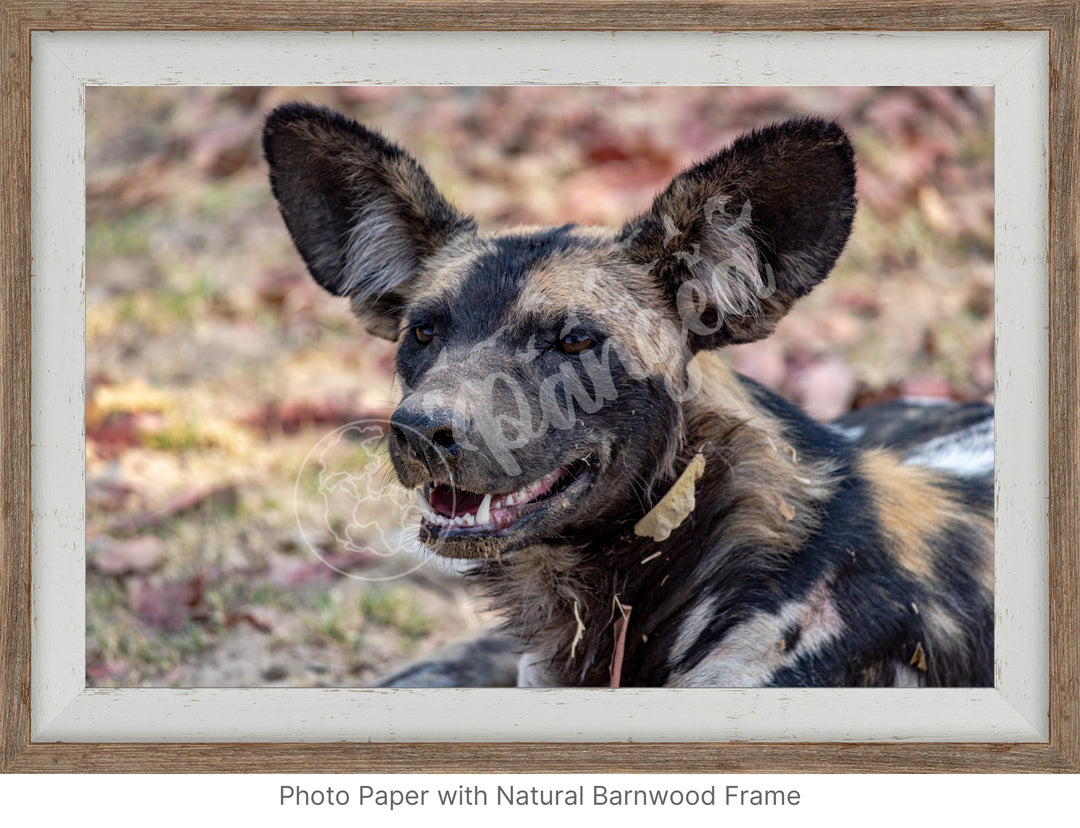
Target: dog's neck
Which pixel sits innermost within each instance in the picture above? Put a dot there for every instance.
(756, 503)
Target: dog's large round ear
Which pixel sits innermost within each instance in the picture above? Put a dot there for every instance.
(362, 212)
(736, 239)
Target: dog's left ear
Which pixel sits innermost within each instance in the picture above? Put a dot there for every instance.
(736, 239)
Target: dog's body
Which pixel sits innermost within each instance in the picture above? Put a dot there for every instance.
(643, 515)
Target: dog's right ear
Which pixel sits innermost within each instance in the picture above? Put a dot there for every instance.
(362, 212)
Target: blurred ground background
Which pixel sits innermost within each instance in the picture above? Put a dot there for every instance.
(221, 549)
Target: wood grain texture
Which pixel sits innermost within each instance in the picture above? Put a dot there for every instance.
(524, 15)
(1065, 387)
(18, 18)
(542, 758)
(14, 385)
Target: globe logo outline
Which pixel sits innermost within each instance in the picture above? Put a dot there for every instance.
(392, 531)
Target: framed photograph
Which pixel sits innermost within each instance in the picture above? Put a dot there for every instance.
(159, 329)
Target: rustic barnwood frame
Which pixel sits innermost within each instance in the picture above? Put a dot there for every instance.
(1059, 18)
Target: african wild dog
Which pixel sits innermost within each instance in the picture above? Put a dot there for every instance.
(643, 515)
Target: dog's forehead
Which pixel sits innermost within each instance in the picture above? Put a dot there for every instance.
(545, 273)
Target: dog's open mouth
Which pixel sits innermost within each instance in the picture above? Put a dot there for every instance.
(449, 512)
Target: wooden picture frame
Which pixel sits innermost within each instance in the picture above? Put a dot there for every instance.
(19, 752)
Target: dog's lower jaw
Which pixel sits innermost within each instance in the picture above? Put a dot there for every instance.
(473, 549)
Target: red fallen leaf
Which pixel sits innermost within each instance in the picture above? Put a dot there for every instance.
(166, 606)
(117, 557)
(290, 572)
(107, 495)
(288, 418)
(219, 497)
(117, 431)
(223, 150)
(263, 619)
(604, 151)
(324, 568)
(276, 287)
(861, 302)
(348, 561)
(224, 497)
(114, 668)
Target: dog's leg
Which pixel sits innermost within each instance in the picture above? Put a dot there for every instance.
(487, 660)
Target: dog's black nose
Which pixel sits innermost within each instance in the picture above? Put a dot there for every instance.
(429, 435)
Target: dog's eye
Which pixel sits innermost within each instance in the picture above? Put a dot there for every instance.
(575, 343)
(423, 333)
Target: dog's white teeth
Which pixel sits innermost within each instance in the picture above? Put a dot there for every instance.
(425, 507)
(483, 514)
(525, 493)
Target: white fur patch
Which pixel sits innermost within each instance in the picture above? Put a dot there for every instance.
(968, 453)
(532, 672)
(380, 255)
(725, 269)
(697, 621)
(851, 433)
(905, 675)
(754, 650)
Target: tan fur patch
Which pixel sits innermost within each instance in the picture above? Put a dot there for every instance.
(590, 280)
(445, 270)
(911, 509)
(913, 513)
(779, 492)
(721, 390)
